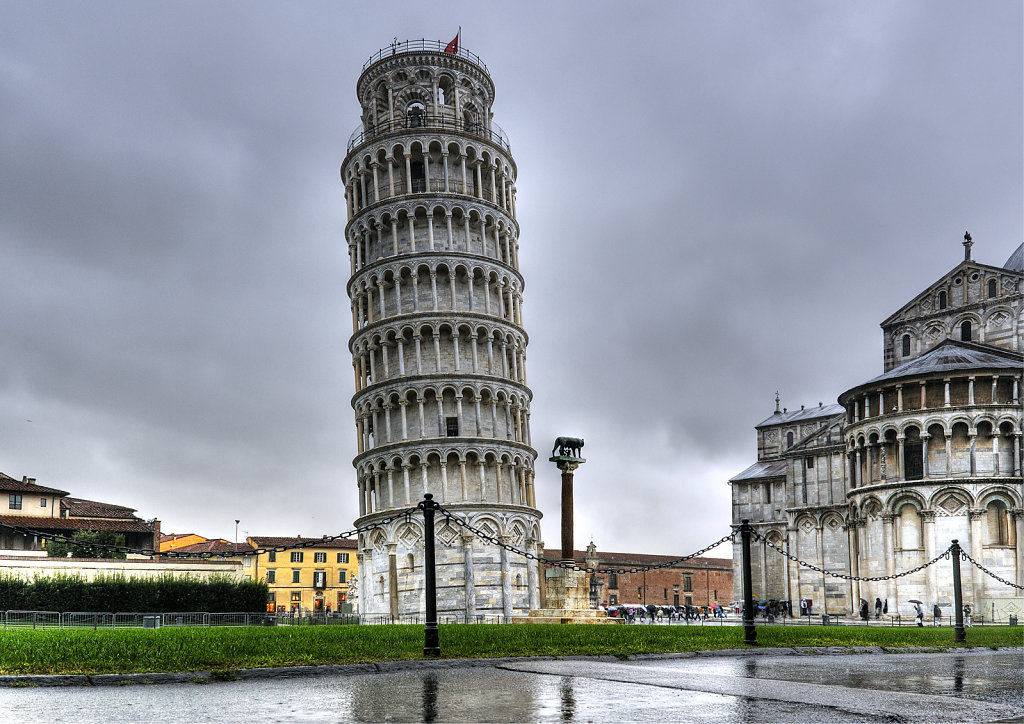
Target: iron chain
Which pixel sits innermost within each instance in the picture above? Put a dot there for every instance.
(845, 576)
(571, 565)
(964, 556)
(208, 555)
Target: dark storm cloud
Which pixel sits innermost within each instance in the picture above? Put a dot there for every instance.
(717, 201)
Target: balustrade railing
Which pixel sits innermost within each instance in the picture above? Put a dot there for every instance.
(415, 121)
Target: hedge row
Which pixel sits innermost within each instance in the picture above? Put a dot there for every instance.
(164, 594)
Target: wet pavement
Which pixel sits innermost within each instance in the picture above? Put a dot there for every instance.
(975, 686)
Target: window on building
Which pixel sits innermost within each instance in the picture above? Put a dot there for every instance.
(688, 600)
(343, 558)
(789, 439)
(246, 561)
(767, 492)
(296, 574)
(942, 300)
(991, 288)
(248, 577)
(906, 345)
(613, 599)
(451, 425)
(272, 575)
(639, 593)
(716, 594)
(296, 596)
(965, 331)
(42, 502)
(319, 579)
(341, 576)
(414, 115)
(15, 501)
(688, 583)
(272, 557)
(665, 594)
(809, 462)
(613, 580)
(296, 556)
(998, 523)
(319, 557)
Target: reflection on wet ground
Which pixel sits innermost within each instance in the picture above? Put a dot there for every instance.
(487, 694)
(984, 675)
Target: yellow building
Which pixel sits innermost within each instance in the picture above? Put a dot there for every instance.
(177, 541)
(316, 578)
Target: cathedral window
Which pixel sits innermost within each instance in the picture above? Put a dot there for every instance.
(906, 345)
(965, 331)
(809, 462)
(789, 439)
(991, 288)
(451, 426)
(942, 300)
(767, 492)
(998, 523)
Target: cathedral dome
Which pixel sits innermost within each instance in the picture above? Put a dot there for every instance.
(1016, 260)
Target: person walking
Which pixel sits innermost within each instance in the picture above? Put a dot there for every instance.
(968, 616)
(920, 614)
(878, 608)
(937, 615)
(864, 610)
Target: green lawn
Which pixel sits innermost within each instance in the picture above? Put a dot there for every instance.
(66, 651)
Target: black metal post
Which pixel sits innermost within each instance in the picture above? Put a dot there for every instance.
(958, 595)
(431, 641)
(749, 630)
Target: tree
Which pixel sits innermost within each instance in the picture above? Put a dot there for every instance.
(85, 544)
(56, 549)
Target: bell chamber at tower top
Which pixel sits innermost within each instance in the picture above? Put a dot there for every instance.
(415, 85)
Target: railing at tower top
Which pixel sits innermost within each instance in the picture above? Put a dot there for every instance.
(413, 46)
(494, 134)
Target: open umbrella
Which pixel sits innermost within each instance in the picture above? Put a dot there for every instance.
(914, 600)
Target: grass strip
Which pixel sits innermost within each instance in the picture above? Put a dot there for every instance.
(69, 651)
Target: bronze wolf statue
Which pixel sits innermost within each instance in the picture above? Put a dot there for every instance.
(568, 446)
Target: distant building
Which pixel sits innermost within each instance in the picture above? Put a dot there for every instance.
(926, 452)
(696, 582)
(176, 541)
(307, 579)
(51, 511)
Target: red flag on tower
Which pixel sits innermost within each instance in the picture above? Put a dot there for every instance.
(453, 47)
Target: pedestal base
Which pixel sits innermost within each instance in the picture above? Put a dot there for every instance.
(567, 589)
(565, 615)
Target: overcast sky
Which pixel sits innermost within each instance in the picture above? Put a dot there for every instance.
(718, 200)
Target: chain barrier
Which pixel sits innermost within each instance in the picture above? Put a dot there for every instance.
(206, 555)
(571, 565)
(980, 567)
(845, 576)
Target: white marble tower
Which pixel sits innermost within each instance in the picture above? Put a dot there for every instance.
(438, 345)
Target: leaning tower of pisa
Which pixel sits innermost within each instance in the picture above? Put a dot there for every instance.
(438, 345)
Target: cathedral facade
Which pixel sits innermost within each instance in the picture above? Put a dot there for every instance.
(926, 452)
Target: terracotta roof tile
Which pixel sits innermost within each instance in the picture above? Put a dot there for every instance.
(134, 525)
(263, 541)
(215, 546)
(7, 483)
(82, 508)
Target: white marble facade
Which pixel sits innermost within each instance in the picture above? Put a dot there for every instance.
(438, 345)
(926, 452)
